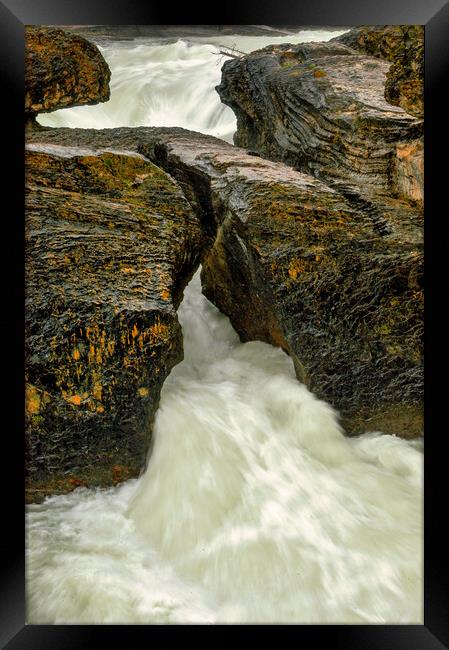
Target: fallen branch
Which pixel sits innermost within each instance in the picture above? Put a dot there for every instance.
(232, 55)
(233, 52)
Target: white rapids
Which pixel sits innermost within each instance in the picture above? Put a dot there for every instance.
(155, 83)
(254, 506)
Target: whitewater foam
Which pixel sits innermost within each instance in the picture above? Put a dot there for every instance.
(160, 83)
(254, 507)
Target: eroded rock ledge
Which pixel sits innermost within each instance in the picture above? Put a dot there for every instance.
(62, 70)
(110, 244)
(320, 107)
(294, 263)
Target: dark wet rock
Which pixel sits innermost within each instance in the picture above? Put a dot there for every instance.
(403, 46)
(62, 70)
(295, 263)
(320, 107)
(110, 244)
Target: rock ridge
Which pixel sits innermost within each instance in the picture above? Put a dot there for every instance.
(292, 262)
(320, 107)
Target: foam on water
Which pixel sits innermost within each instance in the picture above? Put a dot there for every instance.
(254, 507)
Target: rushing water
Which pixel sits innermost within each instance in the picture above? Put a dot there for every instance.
(158, 83)
(254, 507)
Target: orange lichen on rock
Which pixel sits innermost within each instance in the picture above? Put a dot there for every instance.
(74, 399)
(409, 170)
(91, 354)
(158, 331)
(296, 266)
(32, 400)
(76, 482)
(121, 473)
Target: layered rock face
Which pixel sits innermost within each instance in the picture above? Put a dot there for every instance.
(110, 244)
(62, 70)
(293, 263)
(403, 46)
(320, 107)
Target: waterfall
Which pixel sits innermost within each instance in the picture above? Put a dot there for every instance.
(159, 83)
(254, 506)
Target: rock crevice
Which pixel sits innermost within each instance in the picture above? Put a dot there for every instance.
(292, 262)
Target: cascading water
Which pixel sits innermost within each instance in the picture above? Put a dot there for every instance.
(158, 83)
(254, 507)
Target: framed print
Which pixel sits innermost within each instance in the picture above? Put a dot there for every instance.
(219, 288)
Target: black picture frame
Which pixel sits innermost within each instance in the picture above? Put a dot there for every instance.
(14, 14)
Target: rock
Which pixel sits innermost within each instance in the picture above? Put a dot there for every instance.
(320, 107)
(62, 70)
(403, 45)
(110, 244)
(294, 263)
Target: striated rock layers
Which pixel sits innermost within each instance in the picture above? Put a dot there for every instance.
(403, 46)
(294, 263)
(62, 70)
(110, 244)
(320, 107)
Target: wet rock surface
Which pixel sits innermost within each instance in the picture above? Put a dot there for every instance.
(110, 244)
(295, 263)
(403, 46)
(62, 70)
(320, 107)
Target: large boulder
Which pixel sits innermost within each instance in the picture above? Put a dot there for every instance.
(110, 244)
(320, 107)
(62, 70)
(403, 46)
(294, 263)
